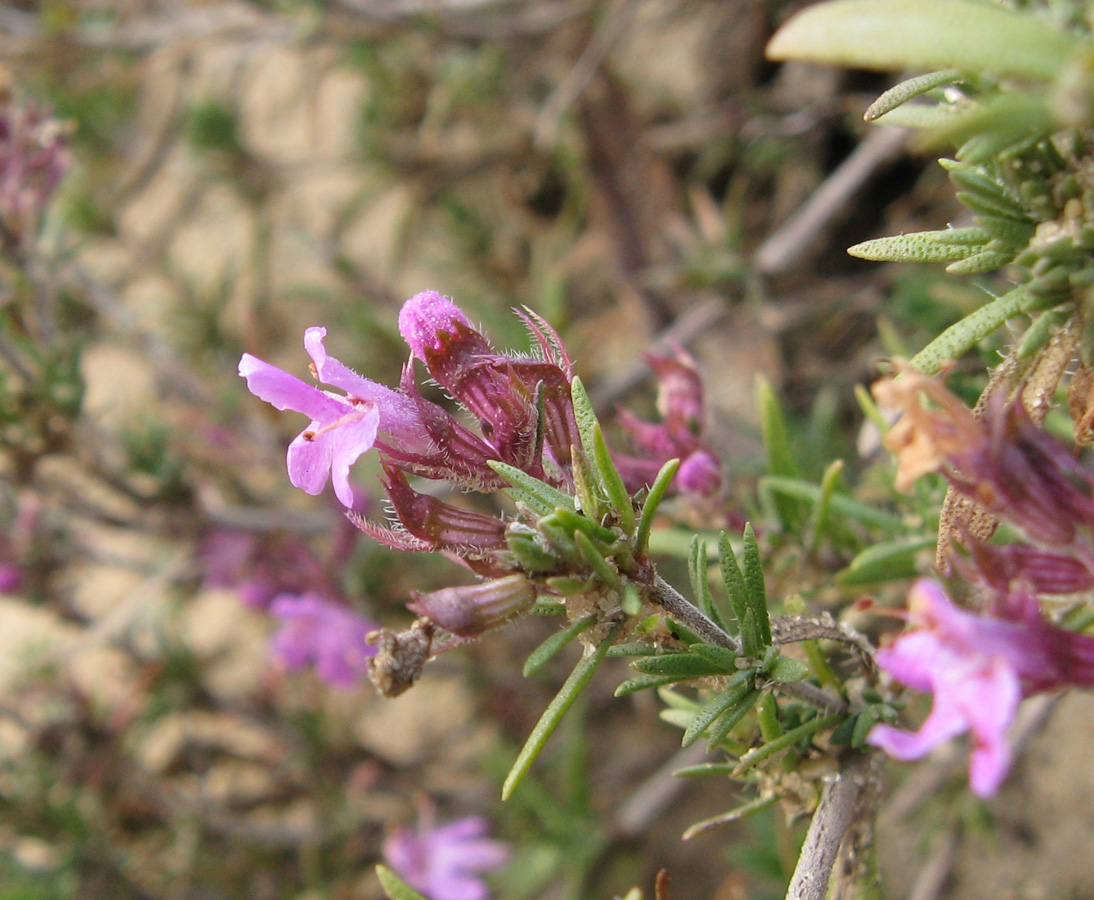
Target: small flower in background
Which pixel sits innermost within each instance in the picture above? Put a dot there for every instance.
(33, 159)
(261, 565)
(677, 436)
(978, 669)
(318, 632)
(443, 862)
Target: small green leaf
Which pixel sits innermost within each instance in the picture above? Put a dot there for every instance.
(636, 648)
(888, 561)
(547, 498)
(653, 501)
(726, 722)
(679, 665)
(788, 671)
(909, 89)
(729, 697)
(962, 336)
(697, 575)
(546, 651)
(613, 482)
(984, 261)
(394, 886)
(755, 591)
(601, 567)
(920, 247)
(644, 682)
(841, 504)
(732, 579)
(557, 708)
(789, 739)
(780, 455)
(631, 600)
(727, 818)
(585, 416)
(721, 656)
(925, 34)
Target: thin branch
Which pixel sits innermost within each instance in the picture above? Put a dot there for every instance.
(833, 817)
(687, 614)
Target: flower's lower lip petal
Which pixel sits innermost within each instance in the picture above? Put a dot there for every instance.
(988, 767)
(309, 462)
(348, 443)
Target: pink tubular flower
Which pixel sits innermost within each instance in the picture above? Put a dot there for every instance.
(443, 862)
(504, 392)
(978, 670)
(327, 635)
(677, 436)
(342, 426)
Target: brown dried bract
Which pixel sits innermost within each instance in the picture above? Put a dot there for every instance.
(402, 656)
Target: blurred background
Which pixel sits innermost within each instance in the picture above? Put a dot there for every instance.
(234, 172)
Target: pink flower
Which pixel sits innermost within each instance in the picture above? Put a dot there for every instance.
(327, 635)
(676, 436)
(978, 669)
(343, 426)
(443, 862)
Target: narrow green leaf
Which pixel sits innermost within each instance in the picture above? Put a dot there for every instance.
(919, 247)
(635, 648)
(727, 818)
(394, 886)
(732, 578)
(726, 722)
(907, 90)
(557, 708)
(721, 656)
(679, 665)
(755, 591)
(841, 504)
(697, 575)
(546, 651)
(613, 482)
(818, 521)
(575, 521)
(984, 261)
(788, 671)
(789, 739)
(585, 416)
(644, 682)
(730, 696)
(586, 486)
(887, 561)
(603, 569)
(925, 34)
(653, 501)
(547, 496)
(780, 456)
(963, 335)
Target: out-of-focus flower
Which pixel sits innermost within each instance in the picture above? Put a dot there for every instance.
(259, 567)
(444, 862)
(977, 669)
(1003, 461)
(318, 632)
(677, 436)
(33, 159)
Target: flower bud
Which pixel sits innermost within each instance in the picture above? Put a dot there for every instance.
(470, 610)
